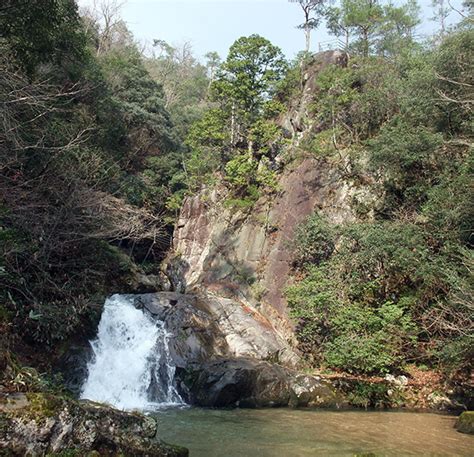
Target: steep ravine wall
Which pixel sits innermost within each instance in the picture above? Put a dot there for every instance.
(248, 255)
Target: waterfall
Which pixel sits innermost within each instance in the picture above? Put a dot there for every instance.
(131, 367)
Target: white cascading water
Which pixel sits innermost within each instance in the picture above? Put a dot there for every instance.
(131, 368)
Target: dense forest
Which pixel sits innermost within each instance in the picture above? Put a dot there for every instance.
(102, 138)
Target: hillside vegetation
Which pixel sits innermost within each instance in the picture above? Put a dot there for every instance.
(101, 140)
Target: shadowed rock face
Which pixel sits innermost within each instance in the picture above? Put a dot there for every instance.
(252, 383)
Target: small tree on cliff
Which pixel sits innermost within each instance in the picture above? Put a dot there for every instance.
(313, 11)
(369, 27)
(247, 79)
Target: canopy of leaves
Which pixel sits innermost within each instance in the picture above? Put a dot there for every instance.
(249, 75)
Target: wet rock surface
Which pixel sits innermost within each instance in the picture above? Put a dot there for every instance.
(42, 424)
(227, 354)
(73, 366)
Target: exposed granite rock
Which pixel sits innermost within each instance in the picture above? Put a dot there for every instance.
(249, 256)
(293, 121)
(45, 424)
(252, 383)
(232, 252)
(442, 402)
(465, 423)
(204, 327)
(201, 328)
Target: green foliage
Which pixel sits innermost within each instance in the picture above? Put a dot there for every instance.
(239, 137)
(266, 138)
(365, 306)
(409, 156)
(449, 206)
(247, 177)
(210, 131)
(93, 145)
(365, 395)
(368, 340)
(454, 69)
(415, 257)
(249, 75)
(311, 301)
(314, 241)
(43, 31)
(353, 103)
(241, 171)
(377, 28)
(356, 335)
(289, 87)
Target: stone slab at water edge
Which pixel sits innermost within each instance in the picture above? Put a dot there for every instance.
(42, 424)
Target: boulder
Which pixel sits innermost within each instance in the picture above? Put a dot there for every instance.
(247, 382)
(465, 423)
(42, 424)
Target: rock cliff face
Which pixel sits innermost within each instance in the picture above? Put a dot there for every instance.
(248, 255)
(227, 251)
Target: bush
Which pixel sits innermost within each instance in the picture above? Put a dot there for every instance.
(314, 241)
(355, 307)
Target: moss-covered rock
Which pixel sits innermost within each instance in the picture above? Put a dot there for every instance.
(465, 422)
(52, 425)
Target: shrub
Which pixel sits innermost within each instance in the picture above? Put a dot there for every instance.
(314, 241)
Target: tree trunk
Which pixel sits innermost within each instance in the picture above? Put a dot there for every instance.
(307, 32)
(365, 39)
(232, 127)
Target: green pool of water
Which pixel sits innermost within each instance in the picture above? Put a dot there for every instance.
(301, 433)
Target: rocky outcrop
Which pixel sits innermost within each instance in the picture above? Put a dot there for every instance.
(249, 256)
(42, 424)
(204, 327)
(296, 118)
(252, 383)
(227, 354)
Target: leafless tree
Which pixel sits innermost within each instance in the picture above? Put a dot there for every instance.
(104, 17)
(171, 66)
(51, 186)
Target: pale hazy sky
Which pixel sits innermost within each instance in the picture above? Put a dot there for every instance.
(213, 25)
